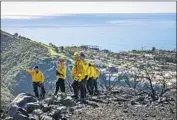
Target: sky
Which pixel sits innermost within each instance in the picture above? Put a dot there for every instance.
(27, 10)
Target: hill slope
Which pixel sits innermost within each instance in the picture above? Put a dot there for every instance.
(17, 52)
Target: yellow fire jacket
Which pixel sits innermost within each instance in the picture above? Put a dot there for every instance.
(97, 73)
(91, 72)
(61, 71)
(79, 70)
(36, 77)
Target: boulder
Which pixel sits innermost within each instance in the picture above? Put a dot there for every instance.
(46, 117)
(68, 101)
(33, 117)
(23, 98)
(122, 99)
(140, 99)
(125, 111)
(133, 102)
(49, 101)
(20, 102)
(53, 106)
(20, 116)
(45, 108)
(12, 110)
(62, 109)
(71, 109)
(8, 118)
(37, 112)
(31, 106)
(56, 114)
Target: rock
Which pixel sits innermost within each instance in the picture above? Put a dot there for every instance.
(126, 96)
(145, 102)
(19, 102)
(23, 98)
(62, 109)
(165, 102)
(37, 112)
(55, 114)
(31, 106)
(33, 117)
(122, 99)
(12, 110)
(146, 115)
(20, 116)
(49, 101)
(140, 99)
(133, 102)
(164, 99)
(9, 118)
(45, 108)
(63, 118)
(17, 111)
(53, 106)
(23, 111)
(46, 117)
(125, 111)
(115, 91)
(71, 109)
(153, 115)
(68, 101)
(3, 116)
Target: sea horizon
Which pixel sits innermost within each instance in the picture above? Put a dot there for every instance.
(115, 32)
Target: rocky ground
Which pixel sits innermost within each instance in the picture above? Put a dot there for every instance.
(120, 104)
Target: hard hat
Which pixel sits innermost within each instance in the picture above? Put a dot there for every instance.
(76, 54)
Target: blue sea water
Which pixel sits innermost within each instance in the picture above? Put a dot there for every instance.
(116, 32)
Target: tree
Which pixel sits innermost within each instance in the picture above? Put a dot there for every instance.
(131, 77)
(61, 48)
(150, 73)
(16, 34)
(153, 48)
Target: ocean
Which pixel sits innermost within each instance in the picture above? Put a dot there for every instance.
(116, 32)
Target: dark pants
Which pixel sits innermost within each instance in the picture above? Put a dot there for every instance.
(79, 86)
(60, 84)
(83, 88)
(90, 86)
(35, 87)
(95, 86)
(75, 86)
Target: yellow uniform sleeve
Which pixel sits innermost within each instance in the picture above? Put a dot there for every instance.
(29, 71)
(64, 72)
(93, 72)
(42, 77)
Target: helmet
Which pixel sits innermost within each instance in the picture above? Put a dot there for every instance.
(36, 67)
(76, 54)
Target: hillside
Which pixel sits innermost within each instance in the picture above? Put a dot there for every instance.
(132, 98)
(18, 52)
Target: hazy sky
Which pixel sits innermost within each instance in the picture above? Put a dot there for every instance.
(32, 9)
